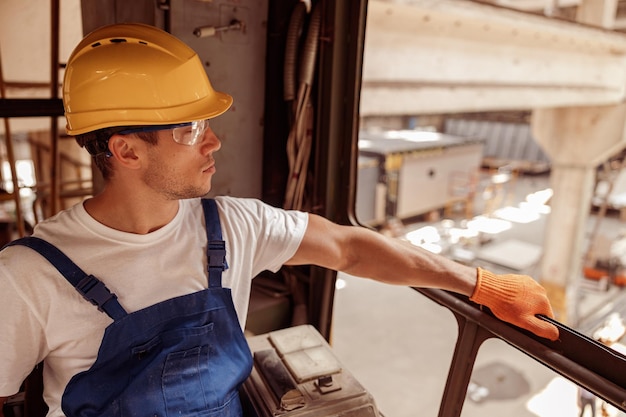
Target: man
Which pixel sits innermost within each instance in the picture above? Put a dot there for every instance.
(586, 398)
(169, 341)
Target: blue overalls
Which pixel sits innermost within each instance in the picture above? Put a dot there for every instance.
(185, 356)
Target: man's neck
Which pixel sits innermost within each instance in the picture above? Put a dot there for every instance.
(131, 215)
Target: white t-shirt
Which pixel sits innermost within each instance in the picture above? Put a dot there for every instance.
(42, 316)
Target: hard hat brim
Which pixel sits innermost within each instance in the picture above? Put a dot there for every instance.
(206, 108)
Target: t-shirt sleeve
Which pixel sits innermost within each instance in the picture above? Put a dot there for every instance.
(21, 340)
(271, 236)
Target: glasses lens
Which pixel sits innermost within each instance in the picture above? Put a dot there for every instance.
(190, 135)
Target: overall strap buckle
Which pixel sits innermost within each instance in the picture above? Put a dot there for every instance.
(216, 247)
(216, 254)
(94, 291)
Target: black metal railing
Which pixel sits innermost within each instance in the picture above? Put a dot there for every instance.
(576, 357)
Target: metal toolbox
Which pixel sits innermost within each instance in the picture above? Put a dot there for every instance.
(296, 374)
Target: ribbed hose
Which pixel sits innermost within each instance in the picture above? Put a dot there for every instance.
(309, 52)
(299, 140)
(294, 32)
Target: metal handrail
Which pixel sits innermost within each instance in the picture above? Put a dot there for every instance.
(574, 356)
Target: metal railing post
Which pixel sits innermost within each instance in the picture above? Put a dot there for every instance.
(470, 338)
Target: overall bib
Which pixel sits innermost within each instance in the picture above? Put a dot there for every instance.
(185, 356)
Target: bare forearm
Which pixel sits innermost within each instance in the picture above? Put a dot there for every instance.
(398, 262)
(361, 252)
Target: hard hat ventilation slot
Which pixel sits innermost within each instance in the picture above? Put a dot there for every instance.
(117, 40)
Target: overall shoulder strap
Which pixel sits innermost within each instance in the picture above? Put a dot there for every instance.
(216, 247)
(90, 287)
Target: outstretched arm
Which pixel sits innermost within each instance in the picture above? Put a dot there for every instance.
(364, 253)
(361, 252)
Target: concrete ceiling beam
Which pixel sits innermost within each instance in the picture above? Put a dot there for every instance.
(425, 57)
(534, 5)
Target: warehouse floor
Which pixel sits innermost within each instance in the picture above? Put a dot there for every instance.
(399, 344)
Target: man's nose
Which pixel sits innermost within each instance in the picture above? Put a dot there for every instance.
(210, 141)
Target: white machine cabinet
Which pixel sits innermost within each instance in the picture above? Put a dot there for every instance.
(418, 169)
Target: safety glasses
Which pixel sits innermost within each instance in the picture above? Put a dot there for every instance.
(188, 133)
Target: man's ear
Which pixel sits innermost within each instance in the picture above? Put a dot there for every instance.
(126, 150)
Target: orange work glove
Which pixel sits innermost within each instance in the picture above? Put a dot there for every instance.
(515, 299)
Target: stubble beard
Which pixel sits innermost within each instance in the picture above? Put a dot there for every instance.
(171, 186)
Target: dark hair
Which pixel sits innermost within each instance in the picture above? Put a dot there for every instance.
(97, 144)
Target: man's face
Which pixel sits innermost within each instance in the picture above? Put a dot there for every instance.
(179, 171)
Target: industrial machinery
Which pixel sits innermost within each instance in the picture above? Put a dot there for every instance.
(296, 374)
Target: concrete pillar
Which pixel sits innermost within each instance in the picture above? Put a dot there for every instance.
(561, 266)
(577, 139)
(597, 13)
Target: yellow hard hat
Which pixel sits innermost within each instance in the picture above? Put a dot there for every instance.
(135, 74)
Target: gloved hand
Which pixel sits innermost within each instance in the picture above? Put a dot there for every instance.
(515, 299)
